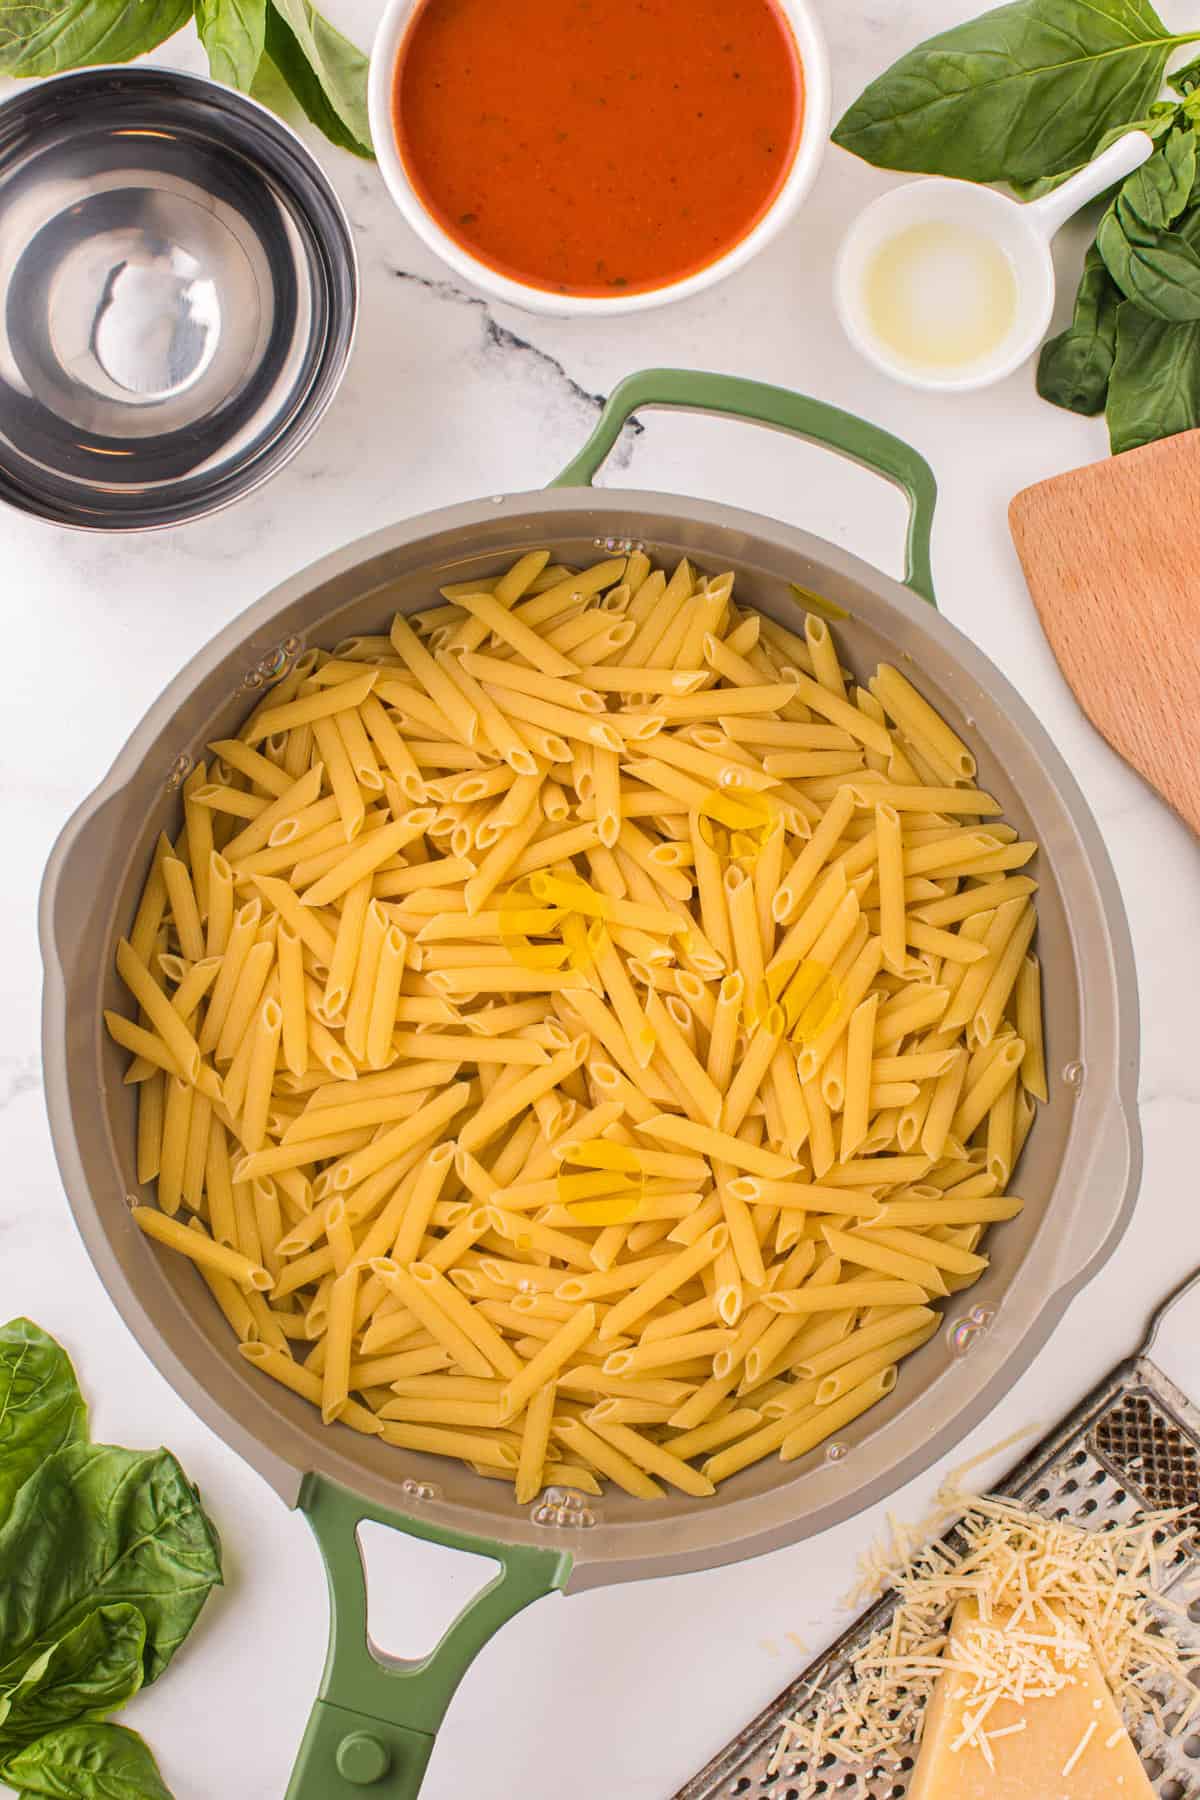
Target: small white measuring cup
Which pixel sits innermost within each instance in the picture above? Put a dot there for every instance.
(1021, 232)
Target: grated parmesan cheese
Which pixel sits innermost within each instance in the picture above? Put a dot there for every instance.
(1047, 1598)
(1080, 1747)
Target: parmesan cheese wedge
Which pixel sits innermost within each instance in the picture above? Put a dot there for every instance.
(1064, 1741)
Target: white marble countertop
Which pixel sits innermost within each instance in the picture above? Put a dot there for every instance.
(624, 1691)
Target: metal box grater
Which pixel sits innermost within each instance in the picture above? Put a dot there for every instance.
(1132, 1444)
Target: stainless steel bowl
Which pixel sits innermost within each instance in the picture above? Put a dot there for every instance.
(178, 295)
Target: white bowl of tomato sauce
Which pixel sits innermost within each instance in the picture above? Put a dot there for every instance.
(596, 156)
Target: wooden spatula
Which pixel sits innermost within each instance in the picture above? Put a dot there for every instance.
(1112, 556)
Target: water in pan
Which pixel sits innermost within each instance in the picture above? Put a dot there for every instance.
(1133, 1446)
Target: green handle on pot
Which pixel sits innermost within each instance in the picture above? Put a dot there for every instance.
(372, 1727)
(762, 404)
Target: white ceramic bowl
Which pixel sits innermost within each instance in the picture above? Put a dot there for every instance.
(814, 131)
(1024, 234)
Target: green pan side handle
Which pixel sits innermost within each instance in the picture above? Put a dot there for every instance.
(372, 1727)
(841, 431)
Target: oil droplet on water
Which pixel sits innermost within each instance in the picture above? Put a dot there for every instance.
(940, 295)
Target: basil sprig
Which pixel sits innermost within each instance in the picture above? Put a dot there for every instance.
(106, 1558)
(326, 73)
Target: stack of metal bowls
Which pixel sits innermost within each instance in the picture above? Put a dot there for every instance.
(178, 294)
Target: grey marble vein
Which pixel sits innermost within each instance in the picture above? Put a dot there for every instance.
(501, 337)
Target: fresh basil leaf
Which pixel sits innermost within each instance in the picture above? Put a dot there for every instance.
(270, 89)
(1154, 390)
(87, 1762)
(37, 39)
(1024, 91)
(1074, 367)
(1157, 269)
(91, 1671)
(1157, 122)
(1158, 191)
(96, 1525)
(325, 71)
(233, 33)
(41, 1408)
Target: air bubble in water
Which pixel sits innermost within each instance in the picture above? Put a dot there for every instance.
(1073, 1075)
(274, 665)
(965, 1331)
(564, 1508)
(420, 1490)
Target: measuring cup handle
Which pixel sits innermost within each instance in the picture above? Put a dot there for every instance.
(373, 1725)
(814, 420)
(1111, 166)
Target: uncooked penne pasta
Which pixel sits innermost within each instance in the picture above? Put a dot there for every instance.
(824, 1420)
(202, 1249)
(583, 1026)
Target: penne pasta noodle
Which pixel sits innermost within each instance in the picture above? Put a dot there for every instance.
(200, 1248)
(535, 1444)
(918, 1214)
(825, 1419)
(860, 1072)
(606, 1457)
(1029, 1027)
(847, 1293)
(654, 1458)
(556, 1354)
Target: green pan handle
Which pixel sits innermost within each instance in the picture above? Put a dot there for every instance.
(372, 1727)
(819, 423)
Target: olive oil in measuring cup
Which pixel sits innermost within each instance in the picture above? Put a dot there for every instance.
(940, 296)
(948, 285)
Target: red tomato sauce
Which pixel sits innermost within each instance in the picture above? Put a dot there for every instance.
(598, 146)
